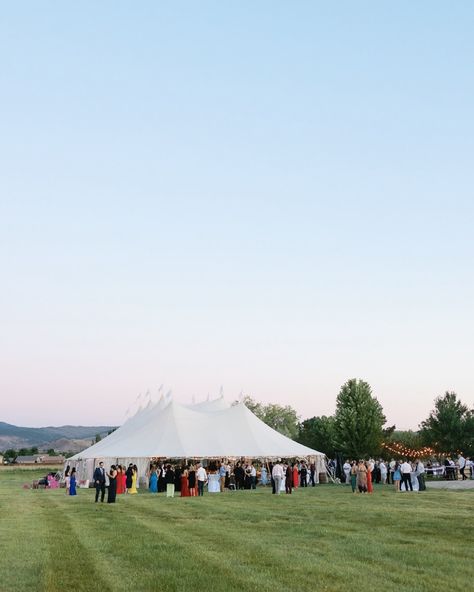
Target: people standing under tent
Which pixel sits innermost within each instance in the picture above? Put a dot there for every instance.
(296, 474)
(272, 481)
(112, 489)
(277, 474)
(383, 472)
(201, 477)
(312, 472)
(253, 477)
(289, 478)
(153, 480)
(346, 467)
(129, 474)
(397, 475)
(67, 479)
(119, 480)
(405, 469)
(462, 466)
(263, 476)
(184, 483)
(354, 476)
(239, 476)
(99, 482)
(170, 481)
(228, 471)
(370, 467)
(162, 479)
(420, 474)
(248, 480)
(73, 482)
(303, 475)
(177, 479)
(362, 477)
(133, 487)
(124, 479)
(192, 480)
(222, 476)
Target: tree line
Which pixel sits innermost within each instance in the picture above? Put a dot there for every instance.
(358, 427)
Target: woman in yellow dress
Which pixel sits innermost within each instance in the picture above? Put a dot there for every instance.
(133, 488)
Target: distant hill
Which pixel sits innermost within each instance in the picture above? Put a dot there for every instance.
(62, 438)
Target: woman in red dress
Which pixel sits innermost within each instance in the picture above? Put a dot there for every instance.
(370, 467)
(295, 475)
(184, 483)
(119, 480)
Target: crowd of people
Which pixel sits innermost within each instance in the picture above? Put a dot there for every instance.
(190, 479)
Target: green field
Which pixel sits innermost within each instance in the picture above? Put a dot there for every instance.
(321, 538)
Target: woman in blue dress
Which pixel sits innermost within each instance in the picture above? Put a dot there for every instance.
(72, 482)
(263, 476)
(153, 480)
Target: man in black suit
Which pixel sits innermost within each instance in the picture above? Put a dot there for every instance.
(99, 482)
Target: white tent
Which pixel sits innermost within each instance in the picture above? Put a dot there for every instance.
(212, 429)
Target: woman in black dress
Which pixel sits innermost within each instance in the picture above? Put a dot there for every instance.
(112, 490)
(192, 480)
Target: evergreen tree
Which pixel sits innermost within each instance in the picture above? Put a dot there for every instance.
(359, 420)
(318, 433)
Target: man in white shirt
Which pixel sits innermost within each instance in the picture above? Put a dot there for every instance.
(201, 477)
(405, 470)
(462, 466)
(277, 474)
(346, 467)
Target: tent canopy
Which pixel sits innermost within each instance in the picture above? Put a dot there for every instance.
(207, 430)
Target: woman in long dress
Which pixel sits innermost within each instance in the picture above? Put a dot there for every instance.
(192, 481)
(119, 480)
(354, 476)
(112, 489)
(153, 480)
(184, 483)
(289, 479)
(362, 477)
(295, 475)
(369, 466)
(133, 488)
(72, 482)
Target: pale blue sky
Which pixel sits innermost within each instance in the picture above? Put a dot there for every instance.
(273, 197)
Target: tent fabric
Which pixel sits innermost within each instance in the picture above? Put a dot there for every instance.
(212, 429)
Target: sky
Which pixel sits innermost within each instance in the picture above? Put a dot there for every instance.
(270, 197)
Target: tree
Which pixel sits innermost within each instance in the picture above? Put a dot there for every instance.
(98, 438)
(11, 453)
(283, 419)
(319, 433)
(359, 420)
(450, 426)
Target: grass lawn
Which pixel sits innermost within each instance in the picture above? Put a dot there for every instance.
(321, 538)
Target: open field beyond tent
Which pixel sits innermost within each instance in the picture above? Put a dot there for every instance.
(321, 538)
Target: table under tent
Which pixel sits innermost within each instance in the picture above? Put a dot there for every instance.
(205, 431)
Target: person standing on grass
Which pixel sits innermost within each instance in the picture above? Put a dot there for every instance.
(289, 478)
(420, 475)
(383, 472)
(369, 465)
(112, 489)
(72, 483)
(354, 476)
(346, 467)
(304, 475)
(277, 474)
(170, 481)
(222, 475)
(129, 474)
(99, 482)
(405, 470)
(312, 472)
(192, 480)
(362, 477)
(462, 466)
(201, 477)
(396, 476)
